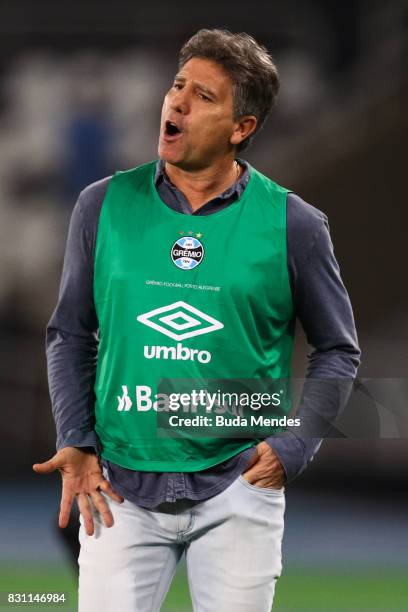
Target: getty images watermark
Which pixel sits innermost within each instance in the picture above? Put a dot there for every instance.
(223, 408)
(315, 408)
(218, 409)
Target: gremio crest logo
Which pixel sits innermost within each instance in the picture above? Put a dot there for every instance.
(187, 253)
(179, 321)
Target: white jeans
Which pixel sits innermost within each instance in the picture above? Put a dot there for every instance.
(232, 543)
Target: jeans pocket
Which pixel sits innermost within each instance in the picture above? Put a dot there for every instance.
(261, 490)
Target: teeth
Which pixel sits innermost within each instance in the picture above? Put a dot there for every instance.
(172, 128)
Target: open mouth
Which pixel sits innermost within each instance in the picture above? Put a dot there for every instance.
(171, 129)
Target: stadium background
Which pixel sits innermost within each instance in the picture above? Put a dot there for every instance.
(80, 95)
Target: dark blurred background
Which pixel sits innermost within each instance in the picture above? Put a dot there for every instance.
(81, 88)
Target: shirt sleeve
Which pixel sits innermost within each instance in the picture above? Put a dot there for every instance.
(323, 307)
(72, 331)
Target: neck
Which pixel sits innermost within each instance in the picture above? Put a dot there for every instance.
(200, 186)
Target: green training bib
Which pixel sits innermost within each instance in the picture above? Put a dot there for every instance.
(185, 297)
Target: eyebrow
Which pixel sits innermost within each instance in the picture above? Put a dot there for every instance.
(200, 86)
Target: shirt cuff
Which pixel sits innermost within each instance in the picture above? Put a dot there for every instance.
(294, 453)
(79, 439)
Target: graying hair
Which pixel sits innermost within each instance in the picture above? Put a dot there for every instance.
(252, 70)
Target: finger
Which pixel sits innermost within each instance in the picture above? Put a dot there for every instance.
(249, 478)
(266, 484)
(265, 472)
(263, 447)
(47, 466)
(105, 486)
(256, 472)
(269, 482)
(85, 509)
(65, 508)
(102, 507)
(251, 475)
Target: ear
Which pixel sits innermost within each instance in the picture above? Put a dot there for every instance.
(243, 128)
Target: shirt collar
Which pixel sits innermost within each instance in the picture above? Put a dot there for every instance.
(236, 189)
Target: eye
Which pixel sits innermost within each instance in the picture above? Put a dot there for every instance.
(204, 97)
(177, 85)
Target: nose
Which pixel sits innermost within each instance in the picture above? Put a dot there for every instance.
(179, 101)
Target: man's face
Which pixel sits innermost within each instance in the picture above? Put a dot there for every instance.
(197, 116)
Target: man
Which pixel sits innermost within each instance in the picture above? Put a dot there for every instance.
(205, 254)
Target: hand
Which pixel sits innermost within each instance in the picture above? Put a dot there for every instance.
(81, 477)
(265, 469)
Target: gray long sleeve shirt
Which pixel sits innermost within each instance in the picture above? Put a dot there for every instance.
(321, 304)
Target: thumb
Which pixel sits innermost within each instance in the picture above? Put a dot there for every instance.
(48, 466)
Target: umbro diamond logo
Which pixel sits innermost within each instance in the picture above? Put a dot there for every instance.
(175, 319)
